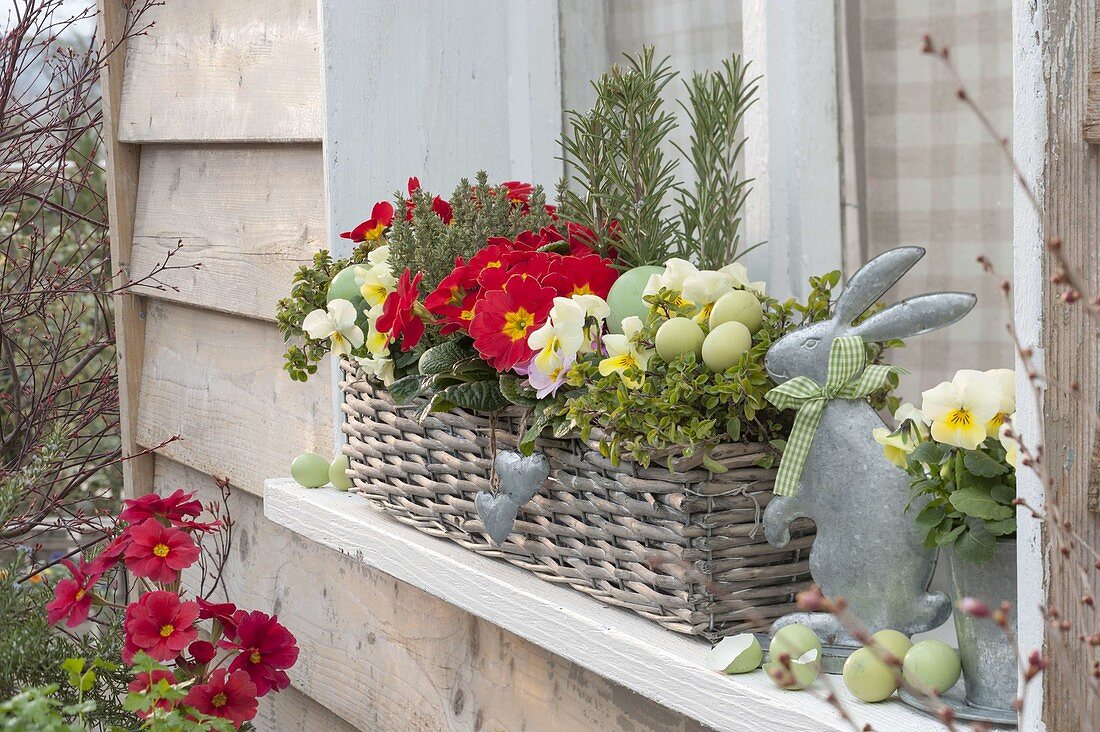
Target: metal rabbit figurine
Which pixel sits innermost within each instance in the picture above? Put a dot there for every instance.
(867, 548)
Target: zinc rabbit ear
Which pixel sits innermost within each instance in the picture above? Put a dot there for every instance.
(871, 282)
(916, 316)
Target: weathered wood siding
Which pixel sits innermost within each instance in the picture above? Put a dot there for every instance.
(1055, 39)
(214, 128)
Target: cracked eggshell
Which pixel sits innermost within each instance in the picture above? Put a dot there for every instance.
(737, 654)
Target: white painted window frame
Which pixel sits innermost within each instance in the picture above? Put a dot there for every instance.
(375, 134)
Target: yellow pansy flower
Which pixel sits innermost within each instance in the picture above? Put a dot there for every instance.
(959, 410)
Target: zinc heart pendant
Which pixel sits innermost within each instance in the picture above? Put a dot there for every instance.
(518, 479)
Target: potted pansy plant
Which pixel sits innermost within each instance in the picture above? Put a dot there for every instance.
(960, 454)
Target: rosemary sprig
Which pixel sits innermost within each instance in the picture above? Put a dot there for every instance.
(711, 212)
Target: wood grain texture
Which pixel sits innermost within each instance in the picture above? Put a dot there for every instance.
(1070, 191)
(293, 711)
(250, 215)
(386, 657)
(667, 668)
(1091, 125)
(216, 381)
(122, 181)
(209, 70)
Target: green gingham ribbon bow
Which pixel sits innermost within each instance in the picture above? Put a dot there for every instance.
(849, 377)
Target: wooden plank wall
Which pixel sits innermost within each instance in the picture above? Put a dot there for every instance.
(1070, 189)
(214, 128)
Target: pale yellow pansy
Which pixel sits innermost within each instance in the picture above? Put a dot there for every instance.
(1004, 380)
(379, 255)
(703, 289)
(739, 273)
(1011, 446)
(381, 368)
(375, 283)
(741, 278)
(561, 335)
(623, 355)
(958, 412)
(909, 412)
(894, 446)
(337, 323)
(378, 343)
(594, 306)
(631, 325)
(676, 272)
(596, 311)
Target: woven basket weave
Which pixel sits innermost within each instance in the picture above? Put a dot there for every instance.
(683, 548)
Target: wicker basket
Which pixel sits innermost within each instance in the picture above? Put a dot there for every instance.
(684, 548)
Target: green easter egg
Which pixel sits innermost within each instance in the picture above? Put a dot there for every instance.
(736, 654)
(867, 677)
(741, 306)
(309, 470)
(798, 673)
(338, 473)
(678, 336)
(802, 646)
(343, 287)
(893, 642)
(725, 344)
(794, 640)
(932, 666)
(625, 297)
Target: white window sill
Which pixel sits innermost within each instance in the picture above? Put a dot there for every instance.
(663, 666)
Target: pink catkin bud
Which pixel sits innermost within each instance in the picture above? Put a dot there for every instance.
(974, 607)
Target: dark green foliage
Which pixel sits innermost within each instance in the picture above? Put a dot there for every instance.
(969, 496)
(453, 375)
(711, 211)
(684, 408)
(32, 654)
(621, 173)
(308, 293)
(618, 165)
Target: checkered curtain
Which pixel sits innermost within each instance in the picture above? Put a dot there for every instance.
(933, 177)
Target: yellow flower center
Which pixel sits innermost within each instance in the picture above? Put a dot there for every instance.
(80, 595)
(582, 289)
(516, 324)
(255, 657)
(467, 315)
(960, 418)
(338, 339)
(373, 293)
(167, 630)
(372, 234)
(624, 361)
(160, 550)
(219, 699)
(457, 296)
(494, 265)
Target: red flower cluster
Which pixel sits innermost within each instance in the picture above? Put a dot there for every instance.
(506, 290)
(399, 317)
(381, 217)
(157, 544)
